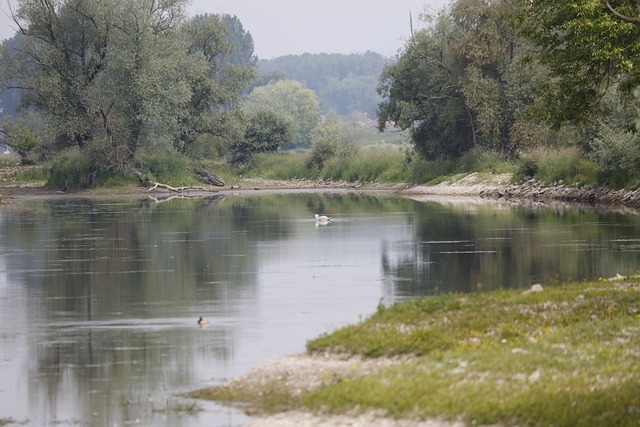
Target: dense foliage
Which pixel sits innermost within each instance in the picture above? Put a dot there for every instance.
(588, 45)
(120, 78)
(512, 76)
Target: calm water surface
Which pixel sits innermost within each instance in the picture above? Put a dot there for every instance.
(99, 297)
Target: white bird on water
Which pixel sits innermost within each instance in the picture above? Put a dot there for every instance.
(322, 219)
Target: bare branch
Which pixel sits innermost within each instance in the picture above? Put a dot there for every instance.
(635, 20)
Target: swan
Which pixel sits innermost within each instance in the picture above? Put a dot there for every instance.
(202, 321)
(322, 219)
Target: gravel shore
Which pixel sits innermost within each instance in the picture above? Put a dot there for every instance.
(302, 372)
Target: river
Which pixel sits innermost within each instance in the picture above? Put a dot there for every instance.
(99, 296)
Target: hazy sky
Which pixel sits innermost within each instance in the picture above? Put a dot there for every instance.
(282, 27)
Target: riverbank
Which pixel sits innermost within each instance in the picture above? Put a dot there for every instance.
(485, 186)
(563, 355)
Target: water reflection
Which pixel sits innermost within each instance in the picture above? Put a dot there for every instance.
(487, 247)
(99, 297)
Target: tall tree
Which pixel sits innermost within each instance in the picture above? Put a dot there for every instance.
(424, 93)
(99, 71)
(225, 52)
(117, 77)
(459, 84)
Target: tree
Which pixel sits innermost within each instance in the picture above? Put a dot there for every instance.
(243, 55)
(125, 80)
(267, 131)
(225, 52)
(588, 45)
(110, 74)
(353, 94)
(459, 84)
(331, 76)
(291, 99)
(424, 93)
(21, 134)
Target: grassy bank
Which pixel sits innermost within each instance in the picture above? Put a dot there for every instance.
(569, 355)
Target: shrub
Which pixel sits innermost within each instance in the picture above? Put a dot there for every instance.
(285, 165)
(321, 153)
(169, 168)
(617, 153)
(72, 170)
(565, 164)
(483, 160)
(428, 171)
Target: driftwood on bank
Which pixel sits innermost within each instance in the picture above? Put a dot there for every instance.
(152, 185)
(174, 189)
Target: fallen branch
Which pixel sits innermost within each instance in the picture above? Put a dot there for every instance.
(174, 189)
(154, 185)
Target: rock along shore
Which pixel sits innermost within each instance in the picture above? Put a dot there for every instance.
(534, 190)
(498, 187)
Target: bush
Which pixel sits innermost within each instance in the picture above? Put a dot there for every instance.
(321, 153)
(483, 160)
(72, 170)
(565, 164)
(283, 166)
(369, 166)
(170, 168)
(429, 171)
(617, 153)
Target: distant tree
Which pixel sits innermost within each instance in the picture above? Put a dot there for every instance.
(353, 94)
(267, 131)
(292, 100)
(329, 74)
(243, 55)
(21, 134)
(9, 98)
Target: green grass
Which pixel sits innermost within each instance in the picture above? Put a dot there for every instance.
(569, 355)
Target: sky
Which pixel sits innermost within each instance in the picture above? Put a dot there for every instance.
(284, 27)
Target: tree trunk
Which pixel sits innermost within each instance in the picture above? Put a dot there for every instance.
(213, 179)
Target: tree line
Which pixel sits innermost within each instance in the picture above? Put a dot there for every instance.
(345, 84)
(515, 75)
(123, 86)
